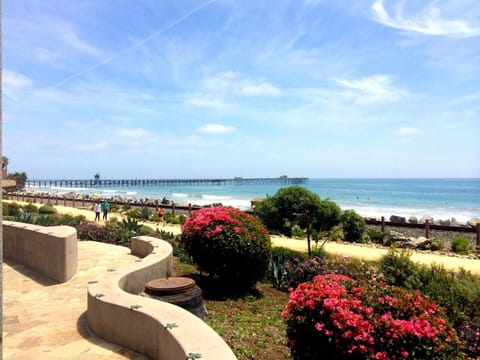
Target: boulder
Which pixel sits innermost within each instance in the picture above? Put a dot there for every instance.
(445, 222)
(397, 219)
(413, 220)
(473, 222)
(454, 222)
(394, 236)
(424, 219)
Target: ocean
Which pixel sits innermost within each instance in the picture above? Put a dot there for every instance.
(439, 198)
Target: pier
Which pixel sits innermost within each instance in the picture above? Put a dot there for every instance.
(92, 183)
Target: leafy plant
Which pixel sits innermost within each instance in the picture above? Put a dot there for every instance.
(336, 317)
(24, 218)
(145, 212)
(375, 235)
(5, 209)
(353, 226)
(47, 209)
(399, 269)
(110, 234)
(46, 220)
(461, 245)
(14, 209)
(30, 208)
(230, 245)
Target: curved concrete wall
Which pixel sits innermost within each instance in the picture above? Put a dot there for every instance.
(50, 250)
(157, 329)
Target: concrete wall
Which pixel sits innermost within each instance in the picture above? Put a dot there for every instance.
(51, 251)
(157, 329)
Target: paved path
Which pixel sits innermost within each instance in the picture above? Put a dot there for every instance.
(46, 320)
(374, 253)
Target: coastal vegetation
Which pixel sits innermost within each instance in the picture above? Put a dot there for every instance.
(250, 320)
(295, 207)
(225, 242)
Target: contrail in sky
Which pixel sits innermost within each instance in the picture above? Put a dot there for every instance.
(134, 46)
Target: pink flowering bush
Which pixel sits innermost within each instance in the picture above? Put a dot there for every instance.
(336, 317)
(229, 244)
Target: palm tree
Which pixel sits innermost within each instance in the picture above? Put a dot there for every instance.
(4, 166)
(20, 178)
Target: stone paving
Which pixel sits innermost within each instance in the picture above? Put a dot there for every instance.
(46, 320)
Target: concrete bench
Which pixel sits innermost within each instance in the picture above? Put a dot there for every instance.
(157, 329)
(50, 250)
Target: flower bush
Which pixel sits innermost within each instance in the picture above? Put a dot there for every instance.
(228, 244)
(111, 234)
(336, 317)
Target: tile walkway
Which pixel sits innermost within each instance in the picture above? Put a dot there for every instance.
(46, 320)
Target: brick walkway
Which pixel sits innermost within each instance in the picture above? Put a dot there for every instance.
(45, 320)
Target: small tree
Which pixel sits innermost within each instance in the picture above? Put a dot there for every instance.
(296, 205)
(353, 226)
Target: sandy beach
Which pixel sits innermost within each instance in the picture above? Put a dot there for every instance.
(366, 252)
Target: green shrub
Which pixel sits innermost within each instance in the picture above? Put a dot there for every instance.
(69, 219)
(14, 209)
(134, 213)
(461, 245)
(24, 218)
(334, 234)
(298, 232)
(353, 226)
(30, 208)
(146, 230)
(399, 270)
(47, 209)
(145, 213)
(5, 210)
(228, 244)
(318, 251)
(375, 235)
(113, 208)
(126, 207)
(46, 220)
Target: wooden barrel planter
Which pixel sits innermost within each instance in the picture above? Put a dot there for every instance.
(180, 291)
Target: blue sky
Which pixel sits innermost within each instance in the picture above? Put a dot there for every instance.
(161, 89)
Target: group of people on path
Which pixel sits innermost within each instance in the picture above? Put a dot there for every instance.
(104, 206)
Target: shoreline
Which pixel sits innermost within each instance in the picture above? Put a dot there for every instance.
(185, 207)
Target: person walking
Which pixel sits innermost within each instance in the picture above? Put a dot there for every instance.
(96, 208)
(105, 206)
(160, 214)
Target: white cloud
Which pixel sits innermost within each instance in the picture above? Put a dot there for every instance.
(372, 89)
(204, 100)
(428, 22)
(230, 82)
(258, 88)
(14, 83)
(132, 133)
(216, 129)
(90, 146)
(407, 131)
